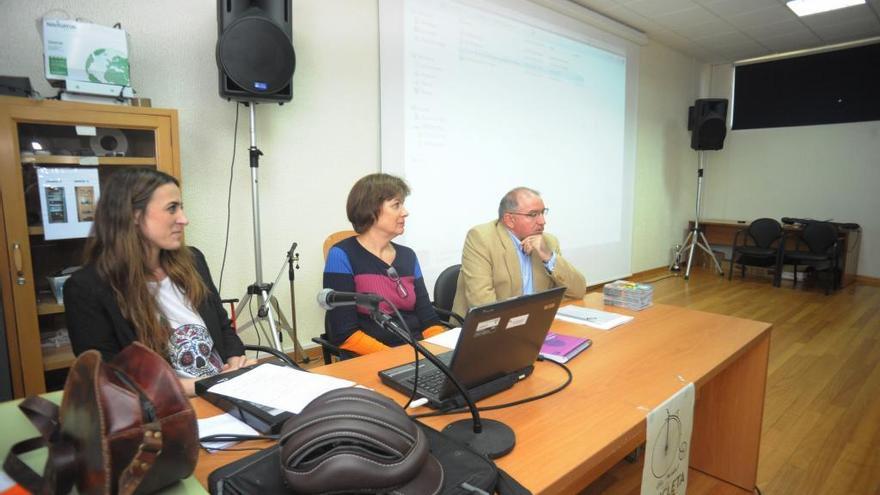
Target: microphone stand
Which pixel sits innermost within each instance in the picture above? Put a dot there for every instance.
(269, 307)
(489, 437)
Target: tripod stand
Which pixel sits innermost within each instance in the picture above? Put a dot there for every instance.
(695, 237)
(269, 309)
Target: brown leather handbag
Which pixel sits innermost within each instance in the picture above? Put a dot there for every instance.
(125, 427)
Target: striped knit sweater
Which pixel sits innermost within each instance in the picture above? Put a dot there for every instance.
(351, 268)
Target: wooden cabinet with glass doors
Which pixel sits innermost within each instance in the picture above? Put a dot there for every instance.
(41, 141)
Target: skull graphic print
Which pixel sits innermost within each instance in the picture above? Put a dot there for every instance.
(191, 352)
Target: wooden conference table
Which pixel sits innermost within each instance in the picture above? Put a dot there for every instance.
(567, 440)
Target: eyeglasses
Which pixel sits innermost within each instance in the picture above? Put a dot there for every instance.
(532, 214)
(393, 275)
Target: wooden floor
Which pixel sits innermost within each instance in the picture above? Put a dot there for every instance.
(821, 431)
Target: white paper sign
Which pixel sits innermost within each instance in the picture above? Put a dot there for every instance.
(667, 448)
(68, 197)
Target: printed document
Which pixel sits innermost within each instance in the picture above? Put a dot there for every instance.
(280, 387)
(224, 424)
(603, 320)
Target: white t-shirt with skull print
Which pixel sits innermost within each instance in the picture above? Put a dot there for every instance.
(190, 347)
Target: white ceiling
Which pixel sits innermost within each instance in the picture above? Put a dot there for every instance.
(720, 31)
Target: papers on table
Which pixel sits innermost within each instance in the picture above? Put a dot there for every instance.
(602, 320)
(447, 339)
(224, 424)
(280, 387)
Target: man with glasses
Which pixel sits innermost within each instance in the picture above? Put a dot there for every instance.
(513, 256)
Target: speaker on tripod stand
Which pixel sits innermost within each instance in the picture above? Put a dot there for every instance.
(255, 54)
(707, 121)
(255, 59)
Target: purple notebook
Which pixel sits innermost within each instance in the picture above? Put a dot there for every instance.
(560, 348)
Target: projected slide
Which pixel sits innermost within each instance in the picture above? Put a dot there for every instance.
(486, 99)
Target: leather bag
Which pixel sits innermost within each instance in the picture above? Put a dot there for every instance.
(125, 427)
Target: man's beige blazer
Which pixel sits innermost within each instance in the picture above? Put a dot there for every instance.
(490, 269)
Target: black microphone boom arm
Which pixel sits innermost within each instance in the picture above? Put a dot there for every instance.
(491, 438)
(387, 322)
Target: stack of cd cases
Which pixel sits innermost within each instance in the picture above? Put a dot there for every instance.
(628, 294)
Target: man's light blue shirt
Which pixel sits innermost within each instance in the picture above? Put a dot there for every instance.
(525, 265)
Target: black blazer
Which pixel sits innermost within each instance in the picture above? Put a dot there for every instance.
(94, 320)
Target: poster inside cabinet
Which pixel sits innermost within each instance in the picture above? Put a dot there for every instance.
(68, 197)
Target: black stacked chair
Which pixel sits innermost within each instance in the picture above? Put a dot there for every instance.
(759, 244)
(444, 296)
(816, 247)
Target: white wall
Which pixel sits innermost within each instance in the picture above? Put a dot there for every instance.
(822, 172)
(318, 145)
(666, 187)
(315, 147)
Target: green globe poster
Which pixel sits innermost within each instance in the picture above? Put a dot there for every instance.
(82, 51)
(108, 66)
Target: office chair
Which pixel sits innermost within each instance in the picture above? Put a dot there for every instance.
(336, 237)
(444, 296)
(759, 244)
(328, 349)
(816, 247)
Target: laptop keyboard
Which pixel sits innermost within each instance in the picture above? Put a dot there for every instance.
(431, 380)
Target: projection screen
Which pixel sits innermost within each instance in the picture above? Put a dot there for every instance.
(480, 96)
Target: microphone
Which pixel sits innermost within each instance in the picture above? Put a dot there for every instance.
(489, 437)
(329, 299)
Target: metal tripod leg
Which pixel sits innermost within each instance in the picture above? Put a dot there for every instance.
(693, 240)
(708, 248)
(298, 352)
(270, 318)
(686, 246)
(277, 322)
(696, 237)
(273, 328)
(271, 310)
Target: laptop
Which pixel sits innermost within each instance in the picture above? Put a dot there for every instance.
(496, 348)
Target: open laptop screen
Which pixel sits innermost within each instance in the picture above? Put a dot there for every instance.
(498, 343)
(504, 338)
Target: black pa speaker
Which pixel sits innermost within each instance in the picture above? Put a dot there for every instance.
(255, 54)
(707, 123)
